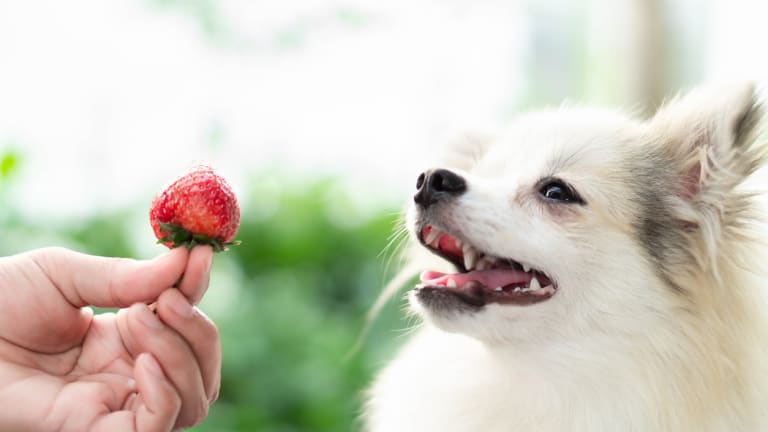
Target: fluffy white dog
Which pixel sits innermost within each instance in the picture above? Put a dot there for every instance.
(599, 274)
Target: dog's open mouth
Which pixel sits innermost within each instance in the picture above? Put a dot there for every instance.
(482, 278)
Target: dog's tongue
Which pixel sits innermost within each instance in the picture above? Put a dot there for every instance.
(488, 278)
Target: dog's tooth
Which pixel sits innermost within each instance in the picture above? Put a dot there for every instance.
(534, 285)
(451, 283)
(481, 265)
(549, 289)
(498, 289)
(470, 257)
(526, 267)
(518, 289)
(433, 235)
(459, 243)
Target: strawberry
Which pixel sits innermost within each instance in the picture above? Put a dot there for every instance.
(197, 208)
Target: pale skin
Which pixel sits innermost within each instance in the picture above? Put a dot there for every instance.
(64, 369)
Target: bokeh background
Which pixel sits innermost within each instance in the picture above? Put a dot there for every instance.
(321, 114)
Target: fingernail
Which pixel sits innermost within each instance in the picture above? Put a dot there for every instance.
(208, 262)
(152, 365)
(205, 280)
(147, 317)
(181, 307)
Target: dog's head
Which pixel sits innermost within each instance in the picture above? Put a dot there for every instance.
(577, 220)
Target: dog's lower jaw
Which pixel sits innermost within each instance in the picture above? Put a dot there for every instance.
(453, 383)
(466, 319)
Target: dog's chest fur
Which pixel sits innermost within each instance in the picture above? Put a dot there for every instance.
(445, 382)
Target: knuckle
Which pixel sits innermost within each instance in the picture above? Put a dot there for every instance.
(214, 395)
(214, 330)
(171, 403)
(54, 251)
(118, 297)
(174, 402)
(50, 258)
(200, 411)
(207, 325)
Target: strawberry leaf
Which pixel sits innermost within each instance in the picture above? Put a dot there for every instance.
(179, 236)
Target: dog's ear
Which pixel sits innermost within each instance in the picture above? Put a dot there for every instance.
(710, 135)
(707, 143)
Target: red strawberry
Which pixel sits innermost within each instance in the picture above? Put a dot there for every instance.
(198, 208)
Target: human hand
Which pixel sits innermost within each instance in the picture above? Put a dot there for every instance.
(64, 369)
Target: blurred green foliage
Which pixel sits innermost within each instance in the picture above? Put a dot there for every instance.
(307, 283)
(9, 161)
(290, 302)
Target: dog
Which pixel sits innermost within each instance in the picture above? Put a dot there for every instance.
(594, 272)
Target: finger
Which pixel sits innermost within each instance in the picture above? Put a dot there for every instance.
(162, 404)
(154, 410)
(200, 333)
(197, 274)
(110, 282)
(142, 331)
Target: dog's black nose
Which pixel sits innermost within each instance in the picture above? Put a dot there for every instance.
(435, 185)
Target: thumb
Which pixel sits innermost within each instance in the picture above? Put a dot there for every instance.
(110, 282)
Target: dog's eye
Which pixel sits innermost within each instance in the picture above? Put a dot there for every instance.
(558, 191)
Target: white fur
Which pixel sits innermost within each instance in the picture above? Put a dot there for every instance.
(616, 348)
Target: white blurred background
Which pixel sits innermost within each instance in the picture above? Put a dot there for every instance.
(104, 100)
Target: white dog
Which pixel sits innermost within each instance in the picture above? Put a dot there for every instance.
(605, 275)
